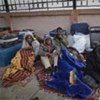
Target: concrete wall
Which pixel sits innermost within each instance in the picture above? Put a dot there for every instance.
(92, 20)
(42, 22)
(2, 22)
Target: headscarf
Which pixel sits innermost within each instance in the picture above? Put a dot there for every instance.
(25, 43)
(35, 43)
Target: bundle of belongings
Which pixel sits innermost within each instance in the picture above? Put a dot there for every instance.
(8, 40)
(95, 36)
(80, 36)
(93, 64)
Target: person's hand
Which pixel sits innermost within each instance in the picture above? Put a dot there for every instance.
(55, 52)
(48, 54)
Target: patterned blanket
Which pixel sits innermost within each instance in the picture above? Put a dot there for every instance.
(22, 66)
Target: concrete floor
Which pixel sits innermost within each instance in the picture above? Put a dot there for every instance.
(28, 92)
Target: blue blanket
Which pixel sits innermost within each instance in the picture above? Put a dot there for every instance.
(60, 80)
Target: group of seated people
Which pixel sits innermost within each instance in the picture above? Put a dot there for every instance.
(64, 65)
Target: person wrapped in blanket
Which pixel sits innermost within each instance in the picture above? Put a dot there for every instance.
(49, 55)
(61, 40)
(68, 78)
(31, 41)
(22, 65)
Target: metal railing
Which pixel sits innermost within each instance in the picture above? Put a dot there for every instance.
(88, 4)
(2, 5)
(33, 5)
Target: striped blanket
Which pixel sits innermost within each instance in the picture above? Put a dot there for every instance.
(22, 66)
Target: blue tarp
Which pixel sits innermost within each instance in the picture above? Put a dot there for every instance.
(6, 54)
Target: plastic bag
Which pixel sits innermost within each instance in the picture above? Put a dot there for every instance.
(81, 42)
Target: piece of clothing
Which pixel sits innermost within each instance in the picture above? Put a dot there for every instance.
(48, 62)
(70, 71)
(61, 42)
(44, 49)
(22, 65)
(35, 43)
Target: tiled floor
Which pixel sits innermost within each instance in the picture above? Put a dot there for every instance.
(27, 93)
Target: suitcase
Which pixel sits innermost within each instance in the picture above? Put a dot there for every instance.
(95, 36)
(8, 40)
(80, 27)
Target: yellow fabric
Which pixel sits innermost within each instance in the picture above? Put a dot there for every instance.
(72, 78)
(15, 65)
(31, 60)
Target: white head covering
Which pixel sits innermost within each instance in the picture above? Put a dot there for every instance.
(35, 43)
(25, 44)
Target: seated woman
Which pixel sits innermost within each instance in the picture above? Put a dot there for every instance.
(68, 78)
(49, 55)
(30, 40)
(22, 65)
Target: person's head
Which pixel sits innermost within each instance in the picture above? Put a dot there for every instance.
(48, 41)
(59, 31)
(29, 37)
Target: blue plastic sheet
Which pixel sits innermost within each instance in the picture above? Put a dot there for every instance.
(6, 54)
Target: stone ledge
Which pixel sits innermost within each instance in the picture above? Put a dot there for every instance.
(51, 13)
